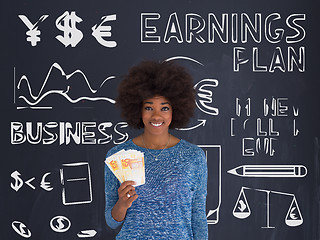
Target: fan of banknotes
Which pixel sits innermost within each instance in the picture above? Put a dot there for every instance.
(127, 165)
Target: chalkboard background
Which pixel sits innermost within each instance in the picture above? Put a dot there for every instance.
(258, 106)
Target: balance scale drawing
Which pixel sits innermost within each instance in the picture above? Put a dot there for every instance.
(242, 210)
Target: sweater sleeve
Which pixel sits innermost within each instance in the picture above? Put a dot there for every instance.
(199, 218)
(111, 195)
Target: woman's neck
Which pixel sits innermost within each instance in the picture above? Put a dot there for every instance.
(155, 141)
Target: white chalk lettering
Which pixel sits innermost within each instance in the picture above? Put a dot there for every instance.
(194, 26)
(173, 29)
(292, 23)
(276, 35)
(148, 31)
(65, 133)
(228, 27)
(242, 56)
(251, 146)
(259, 134)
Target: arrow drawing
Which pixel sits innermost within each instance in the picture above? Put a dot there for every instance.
(202, 123)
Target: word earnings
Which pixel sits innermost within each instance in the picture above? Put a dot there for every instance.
(227, 28)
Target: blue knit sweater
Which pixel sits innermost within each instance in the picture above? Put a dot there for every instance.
(172, 202)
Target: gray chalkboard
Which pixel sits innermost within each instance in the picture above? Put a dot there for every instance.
(255, 70)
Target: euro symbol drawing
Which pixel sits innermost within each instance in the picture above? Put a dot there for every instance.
(72, 36)
(204, 92)
(292, 214)
(45, 185)
(104, 31)
(18, 181)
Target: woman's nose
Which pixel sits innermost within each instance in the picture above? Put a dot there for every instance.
(156, 114)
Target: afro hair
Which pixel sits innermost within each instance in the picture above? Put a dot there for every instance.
(149, 79)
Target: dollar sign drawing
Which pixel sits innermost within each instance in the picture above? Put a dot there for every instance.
(18, 181)
(60, 224)
(242, 206)
(67, 23)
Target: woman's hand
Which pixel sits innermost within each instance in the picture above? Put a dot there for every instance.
(127, 195)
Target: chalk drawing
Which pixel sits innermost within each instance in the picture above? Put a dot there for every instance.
(293, 217)
(76, 181)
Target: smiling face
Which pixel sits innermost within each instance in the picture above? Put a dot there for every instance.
(156, 115)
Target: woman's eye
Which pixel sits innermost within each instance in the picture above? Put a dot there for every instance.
(148, 108)
(165, 109)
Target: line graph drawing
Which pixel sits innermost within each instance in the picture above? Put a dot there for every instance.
(32, 100)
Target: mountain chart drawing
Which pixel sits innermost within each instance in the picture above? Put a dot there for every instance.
(33, 100)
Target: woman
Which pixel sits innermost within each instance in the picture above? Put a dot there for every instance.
(172, 202)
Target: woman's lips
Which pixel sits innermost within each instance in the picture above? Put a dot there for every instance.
(156, 124)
